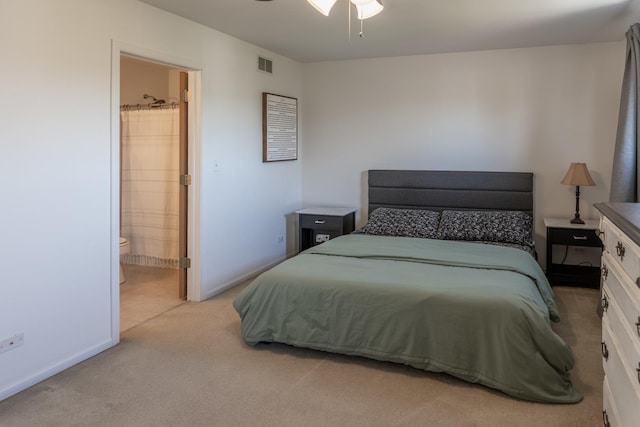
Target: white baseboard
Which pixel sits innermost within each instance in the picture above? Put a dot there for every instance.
(243, 278)
(51, 371)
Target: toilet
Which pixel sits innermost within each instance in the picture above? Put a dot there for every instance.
(125, 248)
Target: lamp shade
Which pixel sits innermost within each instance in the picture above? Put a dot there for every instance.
(323, 6)
(578, 174)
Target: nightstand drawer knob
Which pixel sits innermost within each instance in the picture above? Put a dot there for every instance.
(620, 250)
(319, 221)
(580, 237)
(605, 351)
(605, 303)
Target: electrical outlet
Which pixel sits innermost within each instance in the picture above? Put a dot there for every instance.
(279, 239)
(320, 238)
(12, 342)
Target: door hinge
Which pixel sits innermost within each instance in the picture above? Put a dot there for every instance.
(186, 95)
(185, 262)
(185, 179)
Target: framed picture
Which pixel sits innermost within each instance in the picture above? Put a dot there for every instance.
(279, 128)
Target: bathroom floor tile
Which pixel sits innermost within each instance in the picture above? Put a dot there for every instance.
(147, 292)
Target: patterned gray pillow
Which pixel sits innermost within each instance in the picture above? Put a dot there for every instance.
(402, 222)
(489, 226)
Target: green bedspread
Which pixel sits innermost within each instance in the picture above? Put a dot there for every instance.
(478, 312)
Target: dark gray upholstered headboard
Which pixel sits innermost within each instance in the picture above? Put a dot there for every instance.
(458, 190)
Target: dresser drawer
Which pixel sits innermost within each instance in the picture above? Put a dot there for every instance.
(622, 250)
(609, 408)
(627, 345)
(623, 383)
(616, 287)
(574, 237)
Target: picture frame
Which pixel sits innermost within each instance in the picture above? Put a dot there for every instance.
(279, 128)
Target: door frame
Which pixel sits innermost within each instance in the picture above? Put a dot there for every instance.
(194, 145)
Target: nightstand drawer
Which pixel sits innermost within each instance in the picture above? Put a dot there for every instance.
(321, 222)
(577, 270)
(317, 225)
(575, 237)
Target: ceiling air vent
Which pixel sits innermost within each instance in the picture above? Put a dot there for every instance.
(265, 65)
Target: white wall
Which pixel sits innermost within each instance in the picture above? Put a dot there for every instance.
(534, 110)
(56, 169)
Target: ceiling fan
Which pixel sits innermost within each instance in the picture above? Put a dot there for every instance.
(365, 8)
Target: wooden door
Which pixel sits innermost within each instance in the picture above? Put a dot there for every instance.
(184, 170)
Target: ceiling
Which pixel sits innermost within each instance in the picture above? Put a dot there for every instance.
(293, 28)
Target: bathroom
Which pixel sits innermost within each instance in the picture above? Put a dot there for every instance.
(152, 208)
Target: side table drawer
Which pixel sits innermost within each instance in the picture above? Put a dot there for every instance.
(575, 237)
(321, 222)
(318, 225)
(583, 267)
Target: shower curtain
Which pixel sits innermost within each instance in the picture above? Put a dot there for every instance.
(150, 185)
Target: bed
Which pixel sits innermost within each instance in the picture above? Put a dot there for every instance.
(441, 278)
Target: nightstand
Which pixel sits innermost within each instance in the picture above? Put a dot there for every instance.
(561, 234)
(317, 225)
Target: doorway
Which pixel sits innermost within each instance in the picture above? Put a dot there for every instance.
(183, 283)
(153, 179)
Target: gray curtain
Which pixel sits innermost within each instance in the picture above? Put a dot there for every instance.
(626, 158)
(625, 178)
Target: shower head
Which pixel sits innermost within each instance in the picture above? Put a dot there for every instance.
(155, 100)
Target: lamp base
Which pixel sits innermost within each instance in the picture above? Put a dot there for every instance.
(576, 218)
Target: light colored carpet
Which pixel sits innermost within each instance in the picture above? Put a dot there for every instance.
(190, 367)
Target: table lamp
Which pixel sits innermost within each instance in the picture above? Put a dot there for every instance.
(578, 175)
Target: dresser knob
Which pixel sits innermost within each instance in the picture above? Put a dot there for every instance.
(605, 272)
(605, 303)
(605, 351)
(620, 250)
(605, 419)
(318, 221)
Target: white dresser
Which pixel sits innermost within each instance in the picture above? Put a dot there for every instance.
(620, 233)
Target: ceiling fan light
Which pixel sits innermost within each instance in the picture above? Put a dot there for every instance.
(322, 6)
(368, 8)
